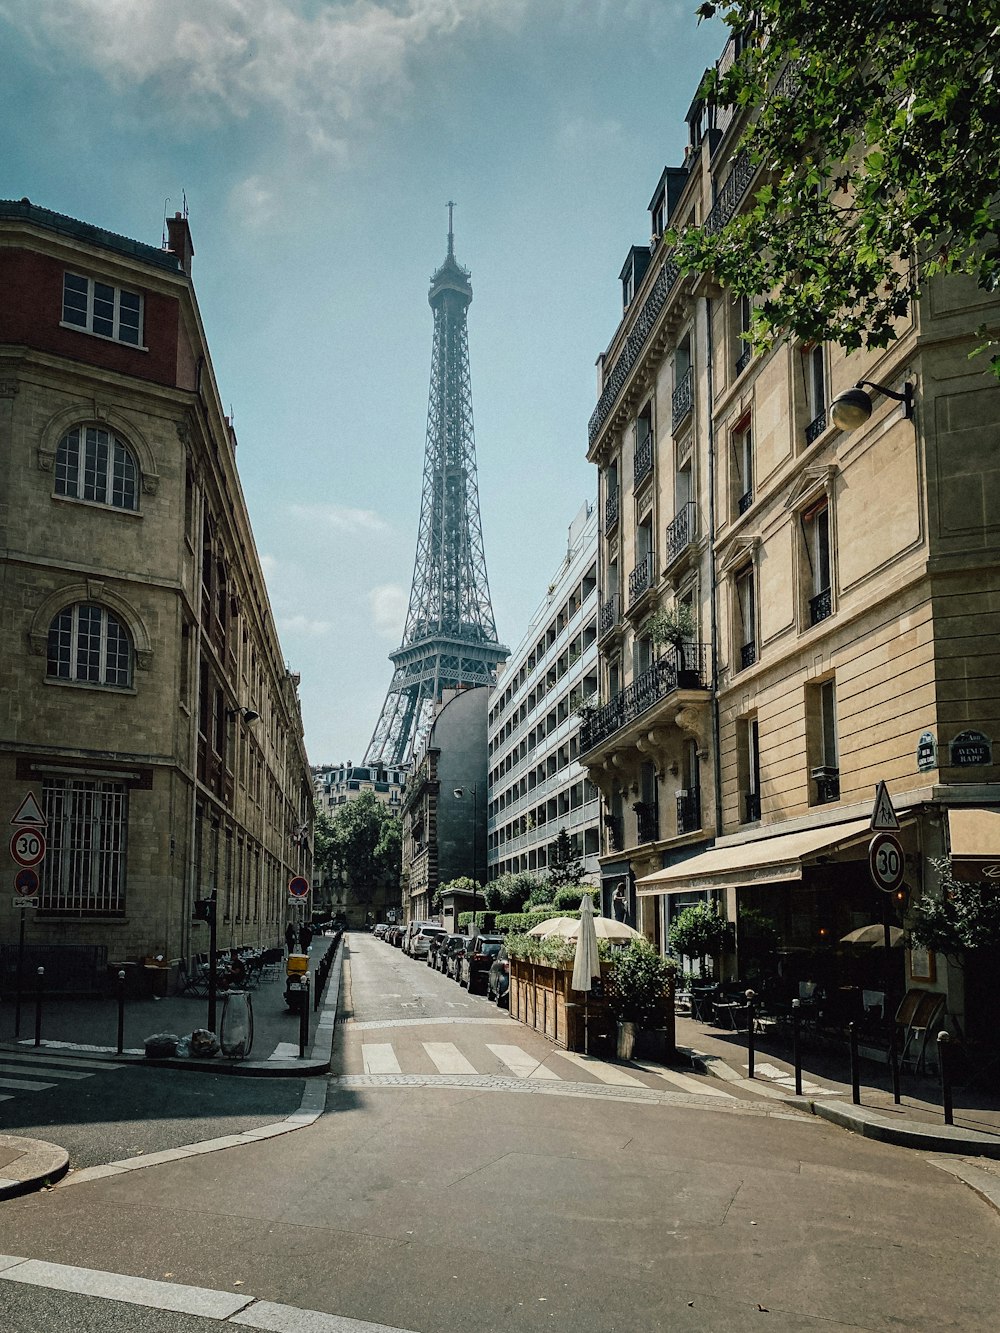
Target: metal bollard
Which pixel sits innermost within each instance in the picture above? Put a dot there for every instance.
(894, 1062)
(121, 1011)
(38, 1007)
(304, 1025)
(855, 1065)
(944, 1069)
(796, 1048)
(751, 996)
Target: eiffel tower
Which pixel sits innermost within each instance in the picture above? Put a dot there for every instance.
(450, 639)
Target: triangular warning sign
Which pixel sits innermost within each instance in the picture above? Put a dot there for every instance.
(30, 812)
(883, 815)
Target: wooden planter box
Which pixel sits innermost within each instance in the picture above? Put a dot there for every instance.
(542, 998)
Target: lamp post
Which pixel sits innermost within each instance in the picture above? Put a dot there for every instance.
(459, 794)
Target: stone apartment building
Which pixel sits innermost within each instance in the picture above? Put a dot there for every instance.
(845, 584)
(537, 785)
(144, 698)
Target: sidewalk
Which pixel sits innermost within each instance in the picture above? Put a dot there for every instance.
(917, 1122)
(90, 1026)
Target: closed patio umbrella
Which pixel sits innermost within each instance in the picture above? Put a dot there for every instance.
(874, 936)
(586, 965)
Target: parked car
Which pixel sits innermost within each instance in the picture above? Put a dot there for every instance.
(455, 955)
(448, 946)
(434, 946)
(498, 979)
(380, 930)
(409, 931)
(395, 936)
(478, 959)
(420, 941)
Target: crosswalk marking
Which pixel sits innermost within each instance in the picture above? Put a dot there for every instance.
(702, 1086)
(606, 1073)
(50, 1071)
(520, 1062)
(24, 1085)
(448, 1058)
(379, 1058)
(785, 1080)
(52, 1061)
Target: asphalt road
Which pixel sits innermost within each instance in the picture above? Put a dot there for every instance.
(443, 1202)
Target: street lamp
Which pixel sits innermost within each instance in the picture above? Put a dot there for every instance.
(459, 794)
(853, 407)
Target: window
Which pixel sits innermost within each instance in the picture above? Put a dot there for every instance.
(746, 616)
(821, 730)
(83, 873)
(89, 644)
(742, 463)
(816, 533)
(96, 307)
(94, 464)
(748, 768)
(815, 393)
(742, 319)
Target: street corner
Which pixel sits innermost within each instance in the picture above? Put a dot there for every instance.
(29, 1164)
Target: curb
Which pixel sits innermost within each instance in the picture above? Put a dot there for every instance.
(29, 1164)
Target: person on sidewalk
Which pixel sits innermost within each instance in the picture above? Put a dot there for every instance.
(291, 937)
(305, 937)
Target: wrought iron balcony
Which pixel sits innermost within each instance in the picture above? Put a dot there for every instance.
(607, 617)
(683, 399)
(642, 464)
(820, 606)
(816, 428)
(679, 669)
(689, 810)
(745, 501)
(748, 655)
(647, 821)
(641, 578)
(743, 360)
(680, 533)
(751, 802)
(616, 842)
(611, 505)
(827, 780)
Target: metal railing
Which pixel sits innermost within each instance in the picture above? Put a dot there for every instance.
(680, 668)
(748, 655)
(743, 360)
(683, 398)
(820, 606)
(647, 821)
(642, 463)
(751, 803)
(816, 428)
(745, 501)
(680, 533)
(689, 810)
(607, 616)
(611, 506)
(641, 577)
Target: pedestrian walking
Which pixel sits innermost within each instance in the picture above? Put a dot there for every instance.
(291, 938)
(305, 937)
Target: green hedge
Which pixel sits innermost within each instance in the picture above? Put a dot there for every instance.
(485, 921)
(523, 921)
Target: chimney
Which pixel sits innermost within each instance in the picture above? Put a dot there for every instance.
(179, 241)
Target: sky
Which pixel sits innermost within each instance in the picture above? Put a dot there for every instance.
(317, 143)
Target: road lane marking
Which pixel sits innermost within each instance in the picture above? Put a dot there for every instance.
(24, 1085)
(379, 1058)
(48, 1070)
(520, 1062)
(448, 1058)
(606, 1073)
(51, 1059)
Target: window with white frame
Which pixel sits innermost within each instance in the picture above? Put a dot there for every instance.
(89, 644)
(97, 307)
(83, 873)
(94, 464)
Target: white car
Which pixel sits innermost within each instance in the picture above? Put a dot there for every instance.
(420, 942)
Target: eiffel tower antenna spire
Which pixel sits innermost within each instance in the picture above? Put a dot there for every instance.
(450, 639)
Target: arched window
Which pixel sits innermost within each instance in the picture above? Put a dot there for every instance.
(94, 464)
(88, 643)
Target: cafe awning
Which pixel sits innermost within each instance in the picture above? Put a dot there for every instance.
(763, 861)
(974, 834)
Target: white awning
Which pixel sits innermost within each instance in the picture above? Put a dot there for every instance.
(763, 861)
(974, 835)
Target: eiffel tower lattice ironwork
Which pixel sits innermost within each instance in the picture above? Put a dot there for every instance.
(450, 639)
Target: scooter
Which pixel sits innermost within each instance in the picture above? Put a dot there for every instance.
(297, 981)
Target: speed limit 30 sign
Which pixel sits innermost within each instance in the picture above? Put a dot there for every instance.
(27, 846)
(885, 862)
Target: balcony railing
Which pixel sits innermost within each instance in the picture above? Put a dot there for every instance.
(611, 505)
(745, 501)
(748, 655)
(641, 578)
(616, 843)
(827, 780)
(642, 464)
(683, 399)
(751, 803)
(820, 606)
(743, 360)
(680, 533)
(689, 810)
(680, 668)
(647, 821)
(816, 428)
(607, 616)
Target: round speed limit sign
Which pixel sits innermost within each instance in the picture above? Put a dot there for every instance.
(885, 862)
(27, 846)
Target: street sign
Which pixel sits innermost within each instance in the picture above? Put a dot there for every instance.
(926, 752)
(883, 815)
(20, 901)
(885, 862)
(971, 748)
(29, 812)
(27, 846)
(298, 886)
(26, 882)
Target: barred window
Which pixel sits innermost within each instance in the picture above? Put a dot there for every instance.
(94, 464)
(83, 873)
(88, 643)
(97, 307)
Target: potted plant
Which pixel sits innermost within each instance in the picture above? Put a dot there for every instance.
(676, 628)
(640, 996)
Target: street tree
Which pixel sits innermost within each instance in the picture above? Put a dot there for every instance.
(565, 868)
(876, 128)
(361, 844)
(963, 917)
(701, 932)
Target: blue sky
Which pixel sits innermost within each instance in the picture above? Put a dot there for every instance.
(318, 143)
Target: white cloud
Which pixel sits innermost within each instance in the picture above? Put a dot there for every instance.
(302, 625)
(318, 66)
(388, 603)
(340, 518)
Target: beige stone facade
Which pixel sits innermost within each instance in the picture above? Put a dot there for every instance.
(845, 585)
(144, 700)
